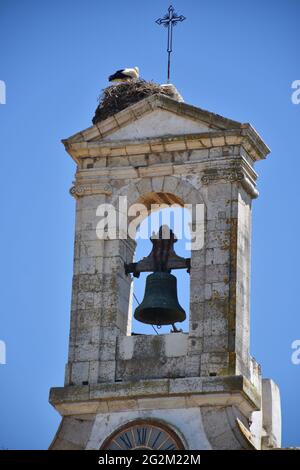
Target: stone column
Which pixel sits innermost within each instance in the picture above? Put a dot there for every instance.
(220, 274)
(100, 294)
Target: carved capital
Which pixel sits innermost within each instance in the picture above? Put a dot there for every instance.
(79, 190)
(230, 175)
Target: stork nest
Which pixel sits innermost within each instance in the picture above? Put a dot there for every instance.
(117, 97)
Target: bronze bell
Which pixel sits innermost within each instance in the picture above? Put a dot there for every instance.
(160, 305)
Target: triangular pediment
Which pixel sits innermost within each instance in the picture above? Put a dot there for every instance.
(157, 123)
(156, 116)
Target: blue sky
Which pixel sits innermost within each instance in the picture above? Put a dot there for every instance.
(234, 58)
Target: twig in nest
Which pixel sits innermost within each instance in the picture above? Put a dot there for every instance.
(117, 97)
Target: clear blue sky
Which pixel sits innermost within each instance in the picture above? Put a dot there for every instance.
(234, 58)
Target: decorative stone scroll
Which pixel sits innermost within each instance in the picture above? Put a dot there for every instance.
(230, 175)
(79, 190)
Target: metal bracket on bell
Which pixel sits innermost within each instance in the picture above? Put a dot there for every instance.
(162, 257)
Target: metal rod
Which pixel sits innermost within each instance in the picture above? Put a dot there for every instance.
(170, 20)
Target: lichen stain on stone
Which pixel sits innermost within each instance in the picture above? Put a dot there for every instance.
(219, 305)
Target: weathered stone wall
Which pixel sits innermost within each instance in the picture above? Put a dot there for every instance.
(218, 340)
(153, 356)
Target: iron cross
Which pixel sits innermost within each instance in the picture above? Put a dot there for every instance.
(169, 20)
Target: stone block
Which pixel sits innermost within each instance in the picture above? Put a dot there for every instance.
(195, 345)
(107, 370)
(157, 147)
(218, 238)
(115, 160)
(166, 157)
(137, 160)
(164, 403)
(219, 326)
(144, 186)
(215, 152)
(271, 413)
(173, 146)
(89, 283)
(154, 158)
(85, 300)
(170, 184)
(176, 345)
(207, 327)
(218, 141)
(126, 347)
(215, 343)
(198, 261)
(87, 351)
(197, 294)
(220, 290)
(76, 432)
(86, 266)
(216, 421)
(217, 273)
(94, 372)
(124, 405)
(198, 155)
(197, 311)
(196, 328)
(107, 351)
(80, 372)
(206, 141)
(181, 157)
(193, 365)
(218, 192)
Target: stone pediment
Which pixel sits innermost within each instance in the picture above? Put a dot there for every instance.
(159, 123)
(156, 116)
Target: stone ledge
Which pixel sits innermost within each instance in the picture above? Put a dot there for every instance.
(229, 168)
(164, 393)
(247, 137)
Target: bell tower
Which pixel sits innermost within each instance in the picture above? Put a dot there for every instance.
(199, 389)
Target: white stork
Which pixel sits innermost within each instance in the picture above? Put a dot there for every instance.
(125, 75)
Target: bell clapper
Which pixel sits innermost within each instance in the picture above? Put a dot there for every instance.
(176, 330)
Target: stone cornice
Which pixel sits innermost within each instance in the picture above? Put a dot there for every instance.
(221, 391)
(228, 169)
(246, 137)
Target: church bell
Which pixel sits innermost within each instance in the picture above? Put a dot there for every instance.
(160, 305)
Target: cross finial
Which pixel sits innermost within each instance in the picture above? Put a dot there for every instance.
(169, 20)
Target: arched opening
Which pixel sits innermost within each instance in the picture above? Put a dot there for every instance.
(144, 434)
(163, 209)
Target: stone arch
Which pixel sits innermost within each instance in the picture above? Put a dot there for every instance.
(178, 219)
(147, 421)
(165, 190)
(173, 190)
(168, 189)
